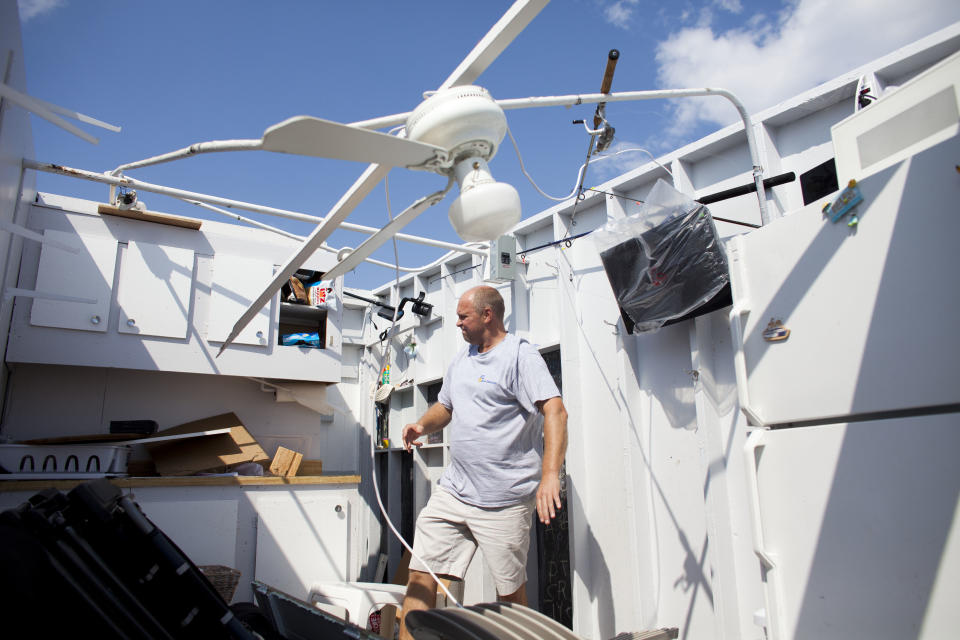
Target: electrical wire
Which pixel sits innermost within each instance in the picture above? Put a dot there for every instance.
(616, 153)
(373, 459)
(530, 178)
(580, 172)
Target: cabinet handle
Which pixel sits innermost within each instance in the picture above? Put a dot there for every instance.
(95, 320)
(260, 334)
(338, 508)
(131, 322)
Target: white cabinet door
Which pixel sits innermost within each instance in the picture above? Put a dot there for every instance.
(857, 524)
(154, 290)
(201, 521)
(872, 313)
(237, 282)
(302, 539)
(86, 274)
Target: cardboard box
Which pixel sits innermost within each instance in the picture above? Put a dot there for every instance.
(209, 454)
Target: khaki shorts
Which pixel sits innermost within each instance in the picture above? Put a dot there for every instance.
(449, 532)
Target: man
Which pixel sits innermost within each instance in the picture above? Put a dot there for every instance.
(491, 397)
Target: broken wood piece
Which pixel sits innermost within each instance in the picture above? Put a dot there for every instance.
(286, 462)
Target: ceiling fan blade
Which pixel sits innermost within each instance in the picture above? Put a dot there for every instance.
(354, 195)
(517, 17)
(374, 242)
(308, 136)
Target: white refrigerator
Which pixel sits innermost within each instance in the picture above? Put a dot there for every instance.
(847, 345)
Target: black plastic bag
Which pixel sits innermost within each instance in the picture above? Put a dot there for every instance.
(664, 261)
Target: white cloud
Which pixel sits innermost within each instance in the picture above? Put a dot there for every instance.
(733, 6)
(772, 58)
(32, 8)
(620, 13)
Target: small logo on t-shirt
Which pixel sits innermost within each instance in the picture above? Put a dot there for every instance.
(484, 378)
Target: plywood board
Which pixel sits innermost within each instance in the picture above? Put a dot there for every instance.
(150, 216)
(209, 454)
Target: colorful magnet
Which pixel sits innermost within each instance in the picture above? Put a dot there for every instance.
(775, 331)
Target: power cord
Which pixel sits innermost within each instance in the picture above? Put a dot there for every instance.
(373, 460)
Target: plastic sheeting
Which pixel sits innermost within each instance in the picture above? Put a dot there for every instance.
(663, 261)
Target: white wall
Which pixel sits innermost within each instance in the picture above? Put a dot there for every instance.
(49, 401)
(16, 142)
(658, 501)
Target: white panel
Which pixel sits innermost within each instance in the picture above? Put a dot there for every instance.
(871, 311)
(204, 529)
(915, 117)
(154, 290)
(87, 274)
(301, 540)
(237, 282)
(859, 522)
(544, 326)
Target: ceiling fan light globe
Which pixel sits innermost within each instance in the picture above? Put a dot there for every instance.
(485, 212)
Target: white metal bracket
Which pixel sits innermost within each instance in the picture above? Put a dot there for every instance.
(49, 111)
(28, 293)
(30, 234)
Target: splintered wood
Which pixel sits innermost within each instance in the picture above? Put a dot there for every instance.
(286, 462)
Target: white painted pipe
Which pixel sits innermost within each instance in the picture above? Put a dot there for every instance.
(123, 181)
(625, 96)
(590, 98)
(293, 236)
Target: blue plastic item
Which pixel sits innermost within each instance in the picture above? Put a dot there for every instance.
(301, 339)
(847, 200)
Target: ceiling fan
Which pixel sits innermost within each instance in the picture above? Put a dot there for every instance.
(454, 132)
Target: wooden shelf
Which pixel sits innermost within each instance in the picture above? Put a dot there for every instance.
(183, 481)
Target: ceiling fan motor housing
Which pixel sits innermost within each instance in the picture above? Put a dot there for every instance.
(464, 120)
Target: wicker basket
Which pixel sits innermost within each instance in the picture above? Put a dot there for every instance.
(224, 579)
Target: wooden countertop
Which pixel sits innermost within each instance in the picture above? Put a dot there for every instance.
(185, 481)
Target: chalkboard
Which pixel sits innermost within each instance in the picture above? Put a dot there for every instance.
(553, 542)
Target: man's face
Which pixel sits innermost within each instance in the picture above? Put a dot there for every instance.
(469, 321)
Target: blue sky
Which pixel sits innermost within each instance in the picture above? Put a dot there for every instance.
(177, 72)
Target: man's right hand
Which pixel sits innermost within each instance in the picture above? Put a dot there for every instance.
(410, 434)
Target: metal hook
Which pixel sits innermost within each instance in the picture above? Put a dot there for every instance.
(616, 327)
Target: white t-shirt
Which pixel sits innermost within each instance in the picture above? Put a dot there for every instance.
(495, 430)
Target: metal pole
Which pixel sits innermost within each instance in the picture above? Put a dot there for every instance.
(122, 181)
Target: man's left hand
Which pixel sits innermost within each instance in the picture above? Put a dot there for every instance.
(548, 498)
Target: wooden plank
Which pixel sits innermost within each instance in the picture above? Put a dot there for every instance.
(285, 462)
(388, 620)
(184, 481)
(151, 216)
(310, 468)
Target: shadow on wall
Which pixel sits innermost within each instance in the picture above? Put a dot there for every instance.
(670, 345)
(670, 383)
(897, 481)
(598, 583)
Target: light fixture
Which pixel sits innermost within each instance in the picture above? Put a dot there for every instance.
(485, 209)
(469, 123)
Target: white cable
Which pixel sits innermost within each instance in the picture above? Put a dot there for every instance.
(373, 460)
(616, 153)
(535, 186)
(583, 168)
